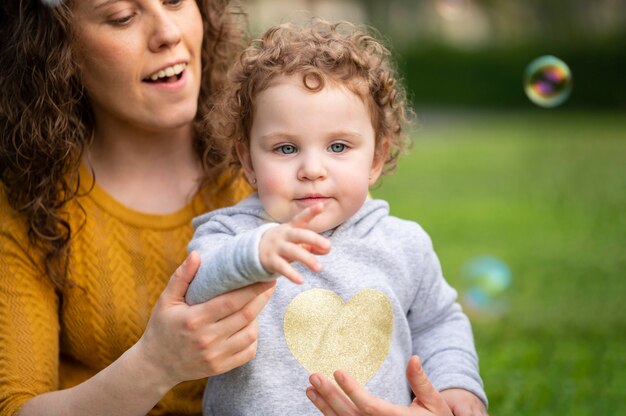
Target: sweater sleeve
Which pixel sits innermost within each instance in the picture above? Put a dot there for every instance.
(229, 259)
(441, 332)
(29, 326)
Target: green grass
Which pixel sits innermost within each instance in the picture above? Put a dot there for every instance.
(544, 191)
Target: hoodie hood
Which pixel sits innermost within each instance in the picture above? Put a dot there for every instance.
(359, 225)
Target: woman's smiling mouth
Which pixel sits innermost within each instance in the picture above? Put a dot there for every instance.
(167, 75)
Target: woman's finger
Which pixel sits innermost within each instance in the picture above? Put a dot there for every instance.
(235, 322)
(236, 350)
(229, 303)
(175, 290)
(332, 396)
(362, 399)
(228, 362)
(425, 392)
(319, 402)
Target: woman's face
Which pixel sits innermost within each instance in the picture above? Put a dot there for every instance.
(140, 61)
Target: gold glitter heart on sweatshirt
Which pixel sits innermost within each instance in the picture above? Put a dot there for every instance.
(326, 334)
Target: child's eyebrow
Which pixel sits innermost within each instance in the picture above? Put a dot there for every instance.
(329, 135)
(276, 135)
(343, 133)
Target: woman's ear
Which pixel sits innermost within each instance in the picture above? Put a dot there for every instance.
(380, 156)
(243, 153)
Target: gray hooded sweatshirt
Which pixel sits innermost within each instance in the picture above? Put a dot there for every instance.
(380, 298)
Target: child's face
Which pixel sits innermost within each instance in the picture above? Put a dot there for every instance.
(306, 147)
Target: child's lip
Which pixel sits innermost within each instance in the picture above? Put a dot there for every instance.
(312, 199)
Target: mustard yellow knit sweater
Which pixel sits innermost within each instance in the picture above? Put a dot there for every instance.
(121, 261)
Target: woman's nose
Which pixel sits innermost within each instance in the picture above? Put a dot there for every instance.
(165, 31)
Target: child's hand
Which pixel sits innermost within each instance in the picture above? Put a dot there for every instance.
(291, 242)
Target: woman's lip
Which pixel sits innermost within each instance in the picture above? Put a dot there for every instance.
(177, 85)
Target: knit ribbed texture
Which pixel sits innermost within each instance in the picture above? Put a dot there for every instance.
(121, 261)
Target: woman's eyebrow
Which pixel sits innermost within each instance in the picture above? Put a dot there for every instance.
(104, 3)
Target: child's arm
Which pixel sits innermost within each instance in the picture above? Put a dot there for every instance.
(442, 336)
(232, 259)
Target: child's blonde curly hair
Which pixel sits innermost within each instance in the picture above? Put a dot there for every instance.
(320, 52)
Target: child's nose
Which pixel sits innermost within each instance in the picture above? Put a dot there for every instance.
(311, 169)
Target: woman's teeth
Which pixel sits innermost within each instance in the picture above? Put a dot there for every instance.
(168, 72)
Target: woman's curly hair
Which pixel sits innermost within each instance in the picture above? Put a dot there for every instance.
(46, 121)
(319, 51)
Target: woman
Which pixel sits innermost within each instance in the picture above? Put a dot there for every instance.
(103, 168)
(103, 164)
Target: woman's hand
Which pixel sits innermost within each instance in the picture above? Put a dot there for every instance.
(191, 342)
(464, 403)
(357, 401)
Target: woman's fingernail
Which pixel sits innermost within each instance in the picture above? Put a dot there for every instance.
(315, 380)
(311, 395)
(339, 376)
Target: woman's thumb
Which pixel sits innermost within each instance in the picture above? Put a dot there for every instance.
(425, 392)
(182, 277)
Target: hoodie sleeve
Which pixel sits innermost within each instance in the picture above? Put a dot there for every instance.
(229, 258)
(441, 332)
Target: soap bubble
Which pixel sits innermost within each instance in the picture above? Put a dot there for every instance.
(451, 9)
(548, 81)
(488, 281)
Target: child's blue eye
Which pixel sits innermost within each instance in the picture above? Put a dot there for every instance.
(337, 147)
(286, 149)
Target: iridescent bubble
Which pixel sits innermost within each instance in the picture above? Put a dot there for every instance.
(451, 9)
(488, 280)
(548, 81)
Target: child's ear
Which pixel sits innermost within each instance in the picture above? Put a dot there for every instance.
(243, 153)
(380, 156)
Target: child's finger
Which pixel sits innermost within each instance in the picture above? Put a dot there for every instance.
(284, 268)
(309, 240)
(303, 218)
(315, 249)
(294, 252)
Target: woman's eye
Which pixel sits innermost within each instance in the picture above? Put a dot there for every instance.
(286, 149)
(173, 2)
(337, 147)
(122, 21)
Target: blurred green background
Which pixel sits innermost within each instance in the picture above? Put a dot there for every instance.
(492, 174)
